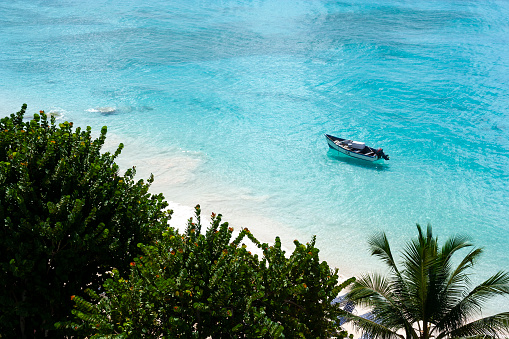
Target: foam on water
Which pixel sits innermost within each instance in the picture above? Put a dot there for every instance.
(227, 103)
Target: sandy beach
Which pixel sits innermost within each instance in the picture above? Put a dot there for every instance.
(177, 177)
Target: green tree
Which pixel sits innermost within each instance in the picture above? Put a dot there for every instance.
(300, 290)
(195, 285)
(67, 217)
(428, 296)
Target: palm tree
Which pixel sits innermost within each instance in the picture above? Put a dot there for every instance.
(427, 297)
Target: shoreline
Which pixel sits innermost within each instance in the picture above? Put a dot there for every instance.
(182, 213)
(176, 177)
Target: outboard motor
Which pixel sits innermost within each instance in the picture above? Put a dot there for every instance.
(380, 154)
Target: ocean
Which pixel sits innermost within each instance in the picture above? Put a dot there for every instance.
(227, 104)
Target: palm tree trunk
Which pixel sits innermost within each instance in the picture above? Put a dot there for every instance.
(425, 330)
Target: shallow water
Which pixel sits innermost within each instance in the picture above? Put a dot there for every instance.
(227, 102)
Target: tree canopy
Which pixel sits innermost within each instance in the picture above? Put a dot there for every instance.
(195, 285)
(427, 295)
(67, 216)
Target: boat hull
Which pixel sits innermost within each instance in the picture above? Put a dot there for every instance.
(335, 144)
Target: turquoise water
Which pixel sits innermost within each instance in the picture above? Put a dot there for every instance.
(226, 102)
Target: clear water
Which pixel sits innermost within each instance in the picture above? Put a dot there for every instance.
(227, 102)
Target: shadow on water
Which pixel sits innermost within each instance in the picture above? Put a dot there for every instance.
(376, 165)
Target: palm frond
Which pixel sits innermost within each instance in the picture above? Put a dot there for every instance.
(423, 275)
(493, 326)
(472, 304)
(380, 247)
(454, 244)
(371, 327)
(374, 291)
(459, 281)
(496, 285)
(369, 288)
(459, 274)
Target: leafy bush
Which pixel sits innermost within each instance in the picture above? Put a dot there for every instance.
(67, 217)
(195, 285)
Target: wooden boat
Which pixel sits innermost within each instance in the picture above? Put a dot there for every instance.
(355, 149)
